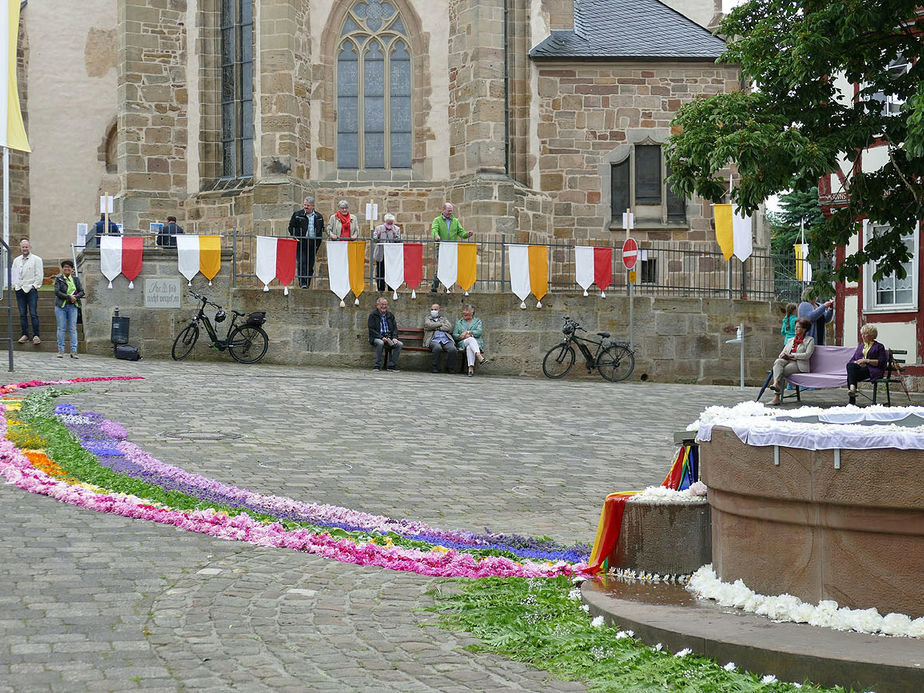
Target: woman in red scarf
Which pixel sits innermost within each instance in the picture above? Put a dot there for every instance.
(343, 225)
(795, 357)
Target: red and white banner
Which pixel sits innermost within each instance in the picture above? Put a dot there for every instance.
(276, 260)
(593, 266)
(121, 255)
(403, 264)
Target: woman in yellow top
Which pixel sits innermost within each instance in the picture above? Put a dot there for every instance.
(68, 292)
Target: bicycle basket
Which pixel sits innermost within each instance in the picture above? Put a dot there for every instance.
(256, 318)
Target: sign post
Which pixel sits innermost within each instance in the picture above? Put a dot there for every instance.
(629, 258)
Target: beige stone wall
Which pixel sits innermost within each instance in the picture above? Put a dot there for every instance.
(678, 340)
(153, 99)
(589, 115)
(71, 82)
(703, 12)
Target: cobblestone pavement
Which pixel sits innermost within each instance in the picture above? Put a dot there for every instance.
(92, 601)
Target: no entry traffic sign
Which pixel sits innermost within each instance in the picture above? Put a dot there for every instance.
(629, 253)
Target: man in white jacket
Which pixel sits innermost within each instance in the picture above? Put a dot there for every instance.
(28, 273)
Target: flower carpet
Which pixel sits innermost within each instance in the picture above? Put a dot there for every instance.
(86, 460)
(50, 447)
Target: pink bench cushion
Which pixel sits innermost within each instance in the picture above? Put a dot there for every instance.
(829, 368)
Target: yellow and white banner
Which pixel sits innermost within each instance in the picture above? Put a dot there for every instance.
(346, 261)
(198, 254)
(457, 262)
(803, 266)
(733, 232)
(12, 129)
(529, 272)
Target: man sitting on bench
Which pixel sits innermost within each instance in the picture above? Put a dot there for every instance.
(438, 337)
(383, 332)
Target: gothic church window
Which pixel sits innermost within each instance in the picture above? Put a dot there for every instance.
(373, 89)
(237, 88)
(641, 180)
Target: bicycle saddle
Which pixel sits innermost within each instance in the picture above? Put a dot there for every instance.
(238, 313)
(605, 335)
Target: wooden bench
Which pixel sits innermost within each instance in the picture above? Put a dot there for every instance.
(892, 374)
(412, 338)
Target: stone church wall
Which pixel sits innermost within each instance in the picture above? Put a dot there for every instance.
(589, 116)
(677, 340)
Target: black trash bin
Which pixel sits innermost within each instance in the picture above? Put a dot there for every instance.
(119, 334)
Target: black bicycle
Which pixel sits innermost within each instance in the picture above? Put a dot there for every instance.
(614, 360)
(246, 343)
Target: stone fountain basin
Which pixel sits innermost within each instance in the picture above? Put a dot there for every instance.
(853, 534)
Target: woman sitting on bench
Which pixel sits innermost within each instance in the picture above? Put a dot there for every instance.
(867, 362)
(795, 357)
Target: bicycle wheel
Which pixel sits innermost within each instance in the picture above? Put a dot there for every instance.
(248, 343)
(616, 363)
(185, 341)
(558, 361)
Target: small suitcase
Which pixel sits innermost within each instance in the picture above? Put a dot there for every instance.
(127, 353)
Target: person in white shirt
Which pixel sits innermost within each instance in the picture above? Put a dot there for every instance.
(28, 274)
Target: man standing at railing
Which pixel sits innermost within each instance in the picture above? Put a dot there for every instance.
(307, 225)
(446, 227)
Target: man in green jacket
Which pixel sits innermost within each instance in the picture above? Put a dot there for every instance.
(446, 227)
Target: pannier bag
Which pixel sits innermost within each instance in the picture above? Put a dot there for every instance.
(127, 353)
(256, 318)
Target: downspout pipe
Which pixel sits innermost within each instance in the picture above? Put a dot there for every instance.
(506, 89)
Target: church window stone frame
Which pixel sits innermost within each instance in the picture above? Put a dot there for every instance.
(237, 117)
(637, 176)
(374, 75)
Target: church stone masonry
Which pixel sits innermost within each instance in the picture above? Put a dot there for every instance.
(519, 111)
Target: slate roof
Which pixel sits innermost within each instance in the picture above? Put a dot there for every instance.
(630, 30)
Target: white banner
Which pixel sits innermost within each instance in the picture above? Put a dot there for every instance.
(584, 266)
(447, 268)
(394, 264)
(187, 256)
(110, 257)
(266, 260)
(741, 235)
(519, 270)
(338, 267)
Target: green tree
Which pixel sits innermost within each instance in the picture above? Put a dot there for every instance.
(795, 207)
(802, 121)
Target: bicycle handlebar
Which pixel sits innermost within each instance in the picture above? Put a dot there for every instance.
(205, 301)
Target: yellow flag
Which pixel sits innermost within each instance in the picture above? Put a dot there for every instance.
(209, 256)
(539, 270)
(467, 271)
(356, 252)
(724, 233)
(12, 130)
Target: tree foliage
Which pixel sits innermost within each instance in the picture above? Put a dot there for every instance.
(804, 121)
(796, 209)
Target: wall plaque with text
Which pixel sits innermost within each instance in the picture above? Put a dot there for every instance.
(162, 293)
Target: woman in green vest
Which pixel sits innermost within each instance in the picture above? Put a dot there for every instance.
(68, 292)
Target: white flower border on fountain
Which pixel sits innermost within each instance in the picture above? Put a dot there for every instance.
(660, 495)
(785, 607)
(750, 412)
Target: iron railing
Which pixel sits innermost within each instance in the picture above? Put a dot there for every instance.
(664, 269)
